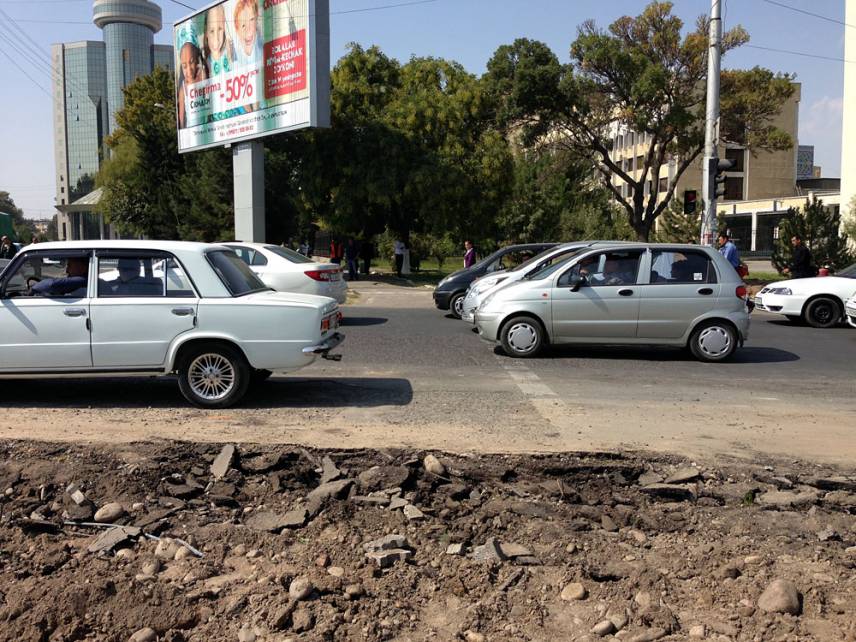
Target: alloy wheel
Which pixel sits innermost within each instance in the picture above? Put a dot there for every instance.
(211, 376)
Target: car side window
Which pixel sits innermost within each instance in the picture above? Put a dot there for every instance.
(681, 267)
(131, 276)
(178, 285)
(258, 258)
(612, 268)
(49, 276)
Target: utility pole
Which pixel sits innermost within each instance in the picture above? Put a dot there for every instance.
(711, 126)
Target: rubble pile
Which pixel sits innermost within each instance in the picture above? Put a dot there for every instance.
(183, 542)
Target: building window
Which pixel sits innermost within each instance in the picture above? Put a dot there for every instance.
(733, 188)
(663, 185)
(736, 155)
(640, 162)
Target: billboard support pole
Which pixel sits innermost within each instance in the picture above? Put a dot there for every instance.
(248, 168)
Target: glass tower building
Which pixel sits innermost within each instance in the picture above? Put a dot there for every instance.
(87, 89)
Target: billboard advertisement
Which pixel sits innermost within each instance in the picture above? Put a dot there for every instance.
(251, 68)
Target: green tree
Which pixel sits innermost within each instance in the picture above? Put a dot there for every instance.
(819, 227)
(850, 222)
(644, 75)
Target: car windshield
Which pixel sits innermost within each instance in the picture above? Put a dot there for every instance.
(533, 261)
(848, 272)
(288, 254)
(559, 260)
(234, 273)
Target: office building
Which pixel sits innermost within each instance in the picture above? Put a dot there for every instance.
(805, 162)
(88, 81)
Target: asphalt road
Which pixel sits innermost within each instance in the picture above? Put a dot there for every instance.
(413, 377)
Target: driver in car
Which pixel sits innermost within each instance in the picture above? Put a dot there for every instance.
(615, 272)
(77, 271)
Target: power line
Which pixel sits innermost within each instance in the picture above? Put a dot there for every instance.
(21, 69)
(181, 4)
(800, 53)
(808, 13)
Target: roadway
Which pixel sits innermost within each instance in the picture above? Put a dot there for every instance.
(411, 377)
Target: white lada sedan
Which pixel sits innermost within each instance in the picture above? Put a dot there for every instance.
(150, 308)
(818, 301)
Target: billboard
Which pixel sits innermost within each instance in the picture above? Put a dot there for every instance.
(251, 68)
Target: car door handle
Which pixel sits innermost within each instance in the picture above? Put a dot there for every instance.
(625, 292)
(705, 290)
(74, 312)
(182, 312)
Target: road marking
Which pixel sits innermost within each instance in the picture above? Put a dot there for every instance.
(541, 396)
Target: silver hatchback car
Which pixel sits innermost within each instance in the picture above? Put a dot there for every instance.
(676, 295)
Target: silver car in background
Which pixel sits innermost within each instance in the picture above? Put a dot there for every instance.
(484, 286)
(646, 293)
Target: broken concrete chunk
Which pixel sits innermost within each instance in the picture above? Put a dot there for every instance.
(514, 550)
(433, 466)
(488, 552)
(455, 549)
(684, 475)
(335, 489)
(112, 537)
(329, 472)
(397, 502)
(386, 543)
(386, 558)
(670, 491)
(412, 513)
(221, 464)
(382, 477)
(781, 596)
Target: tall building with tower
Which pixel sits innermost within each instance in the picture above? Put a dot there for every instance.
(89, 77)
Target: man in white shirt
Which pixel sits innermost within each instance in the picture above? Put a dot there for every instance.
(399, 248)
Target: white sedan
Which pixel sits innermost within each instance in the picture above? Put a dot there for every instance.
(817, 301)
(153, 308)
(285, 270)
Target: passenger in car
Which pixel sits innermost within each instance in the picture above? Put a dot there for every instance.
(130, 283)
(73, 284)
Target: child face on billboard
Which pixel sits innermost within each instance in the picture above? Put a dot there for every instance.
(247, 22)
(215, 30)
(189, 57)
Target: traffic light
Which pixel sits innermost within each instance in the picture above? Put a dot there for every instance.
(717, 173)
(690, 201)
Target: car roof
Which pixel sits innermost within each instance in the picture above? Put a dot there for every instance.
(167, 246)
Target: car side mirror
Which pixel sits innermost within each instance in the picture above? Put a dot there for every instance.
(577, 282)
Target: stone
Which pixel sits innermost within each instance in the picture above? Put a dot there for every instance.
(322, 561)
(336, 571)
(144, 635)
(649, 477)
(514, 550)
(434, 466)
(329, 472)
(698, 631)
(246, 634)
(76, 495)
(112, 537)
(374, 500)
(353, 591)
(302, 620)
(638, 535)
(785, 499)
(388, 557)
(300, 588)
(841, 498)
(673, 492)
(649, 635)
(333, 489)
(222, 462)
(261, 463)
(603, 628)
(474, 636)
(608, 524)
(397, 502)
(455, 549)
(488, 552)
(79, 513)
(151, 567)
(828, 534)
(109, 513)
(124, 554)
(166, 549)
(386, 543)
(574, 592)
(619, 620)
(183, 553)
(753, 559)
(412, 513)
(781, 596)
(382, 477)
(684, 475)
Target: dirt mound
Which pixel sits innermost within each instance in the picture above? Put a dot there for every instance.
(280, 543)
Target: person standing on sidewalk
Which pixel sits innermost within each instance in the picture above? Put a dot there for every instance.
(469, 255)
(398, 249)
(352, 256)
(801, 266)
(367, 254)
(729, 250)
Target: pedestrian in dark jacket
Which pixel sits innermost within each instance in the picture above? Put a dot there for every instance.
(7, 248)
(801, 266)
(352, 255)
(367, 254)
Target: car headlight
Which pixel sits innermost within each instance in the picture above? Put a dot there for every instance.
(782, 291)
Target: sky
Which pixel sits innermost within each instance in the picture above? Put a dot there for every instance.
(468, 31)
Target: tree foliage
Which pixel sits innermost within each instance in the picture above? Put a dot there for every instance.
(642, 74)
(819, 227)
(24, 229)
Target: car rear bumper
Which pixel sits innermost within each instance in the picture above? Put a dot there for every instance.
(324, 347)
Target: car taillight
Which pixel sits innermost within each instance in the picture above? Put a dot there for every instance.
(325, 325)
(741, 292)
(319, 275)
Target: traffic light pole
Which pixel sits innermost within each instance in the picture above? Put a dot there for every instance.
(708, 227)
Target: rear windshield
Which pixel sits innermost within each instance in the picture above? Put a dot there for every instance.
(234, 273)
(288, 254)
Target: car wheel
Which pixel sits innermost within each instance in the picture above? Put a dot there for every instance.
(259, 376)
(713, 341)
(522, 337)
(456, 305)
(822, 312)
(213, 376)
